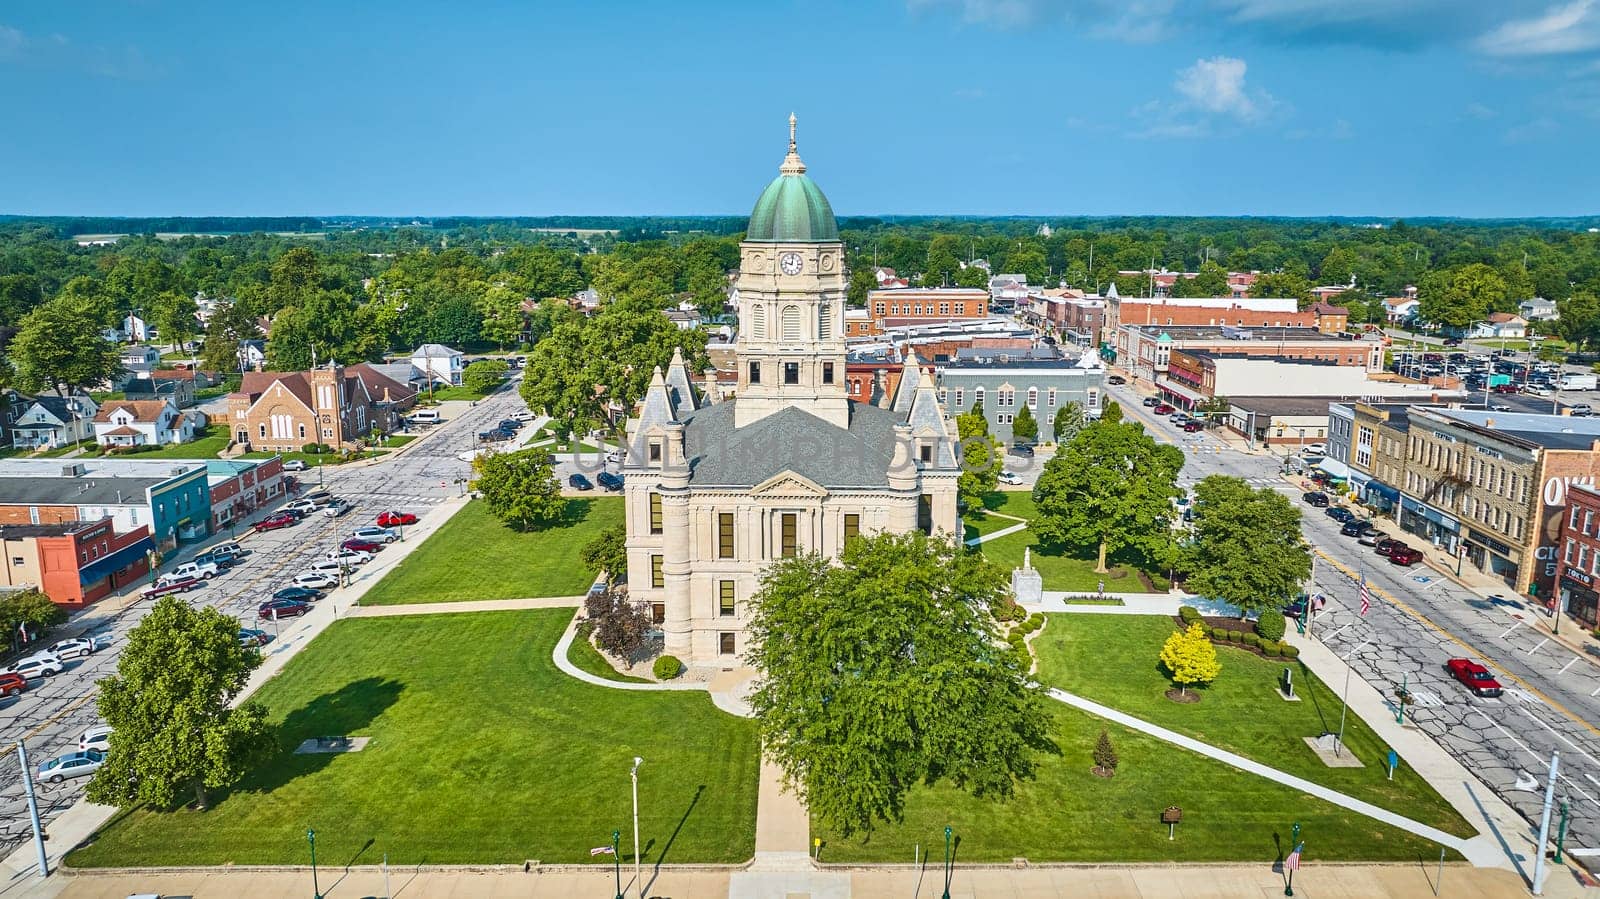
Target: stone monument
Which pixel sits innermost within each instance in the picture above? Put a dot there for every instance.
(1027, 585)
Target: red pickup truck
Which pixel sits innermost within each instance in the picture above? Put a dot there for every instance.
(164, 588)
(1474, 676)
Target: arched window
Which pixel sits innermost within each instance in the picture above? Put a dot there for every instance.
(824, 326)
(791, 323)
(758, 320)
(977, 396)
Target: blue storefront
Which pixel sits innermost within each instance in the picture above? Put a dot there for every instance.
(1430, 524)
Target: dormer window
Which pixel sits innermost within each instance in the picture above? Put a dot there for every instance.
(655, 451)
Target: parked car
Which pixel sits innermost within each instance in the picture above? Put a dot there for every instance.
(1022, 449)
(1193, 425)
(249, 636)
(281, 608)
(294, 465)
(40, 664)
(318, 580)
(394, 519)
(579, 482)
(76, 764)
(205, 571)
(166, 588)
(1339, 513)
(361, 546)
(374, 534)
(299, 594)
(79, 647)
(303, 506)
(1474, 677)
(1314, 449)
(1118, 380)
(329, 567)
(1353, 528)
(1581, 410)
(296, 514)
(337, 507)
(1371, 536)
(350, 556)
(222, 560)
(97, 738)
(510, 424)
(609, 481)
(273, 522)
(1386, 544)
(1505, 388)
(1163, 409)
(1316, 498)
(1151, 401)
(1010, 479)
(1404, 556)
(12, 684)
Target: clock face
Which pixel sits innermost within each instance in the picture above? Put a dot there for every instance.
(792, 263)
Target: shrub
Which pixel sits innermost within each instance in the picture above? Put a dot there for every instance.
(1290, 651)
(1251, 640)
(1235, 636)
(1273, 650)
(1271, 626)
(667, 668)
(1188, 614)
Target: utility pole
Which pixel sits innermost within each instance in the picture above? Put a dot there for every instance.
(33, 809)
(1544, 824)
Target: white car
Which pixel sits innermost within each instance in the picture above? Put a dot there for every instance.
(375, 534)
(40, 664)
(79, 647)
(303, 506)
(294, 465)
(97, 738)
(1010, 478)
(1314, 449)
(350, 557)
(316, 580)
(337, 507)
(204, 571)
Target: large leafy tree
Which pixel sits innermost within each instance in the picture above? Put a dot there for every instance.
(1460, 297)
(500, 309)
(32, 610)
(1025, 428)
(230, 323)
(520, 488)
(1282, 284)
(1111, 487)
(19, 294)
(885, 672)
(982, 458)
(174, 730)
(1247, 548)
(325, 327)
(1068, 422)
(59, 347)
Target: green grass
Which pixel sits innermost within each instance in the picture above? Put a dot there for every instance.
(1093, 601)
(1112, 659)
(208, 445)
(396, 440)
(482, 752)
(445, 394)
(60, 451)
(582, 653)
(313, 459)
(475, 556)
(1060, 571)
(1067, 814)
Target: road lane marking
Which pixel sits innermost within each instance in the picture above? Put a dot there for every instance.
(1568, 665)
(1537, 645)
(1563, 737)
(1418, 616)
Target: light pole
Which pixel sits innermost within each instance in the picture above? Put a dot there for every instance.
(33, 810)
(1544, 824)
(638, 879)
(311, 837)
(616, 860)
(946, 863)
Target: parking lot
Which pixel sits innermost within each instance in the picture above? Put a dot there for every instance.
(52, 714)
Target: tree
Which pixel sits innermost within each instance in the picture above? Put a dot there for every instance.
(982, 458)
(1210, 281)
(19, 295)
(173, 314)
(169, 707)
(1579, 323)
(59, 347)
(1113, 487)
(325, 328)
(1337, 267)
(1460, 298)
(1105, 756)
(886, 672)
(1025, 428)
(1068, 422)
(520, 488)
(1247, 550)
(607, 552)
(30, 609)
(862, 280)
(229, 325)
(500, 309)
(621, 628)
(1111, 412)
(484, 375)
(1282, 284)
(1190, 658)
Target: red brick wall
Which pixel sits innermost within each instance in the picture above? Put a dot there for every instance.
(1137, 313)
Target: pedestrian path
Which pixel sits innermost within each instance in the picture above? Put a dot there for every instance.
(1472, 851)
(1003, 532)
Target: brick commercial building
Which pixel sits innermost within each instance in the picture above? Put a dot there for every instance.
(1580, 555)
(333, 406)
(240, 487)
(75, 562)
(918, 305)
(1143, 351)
(1276, 312)
(168, 496)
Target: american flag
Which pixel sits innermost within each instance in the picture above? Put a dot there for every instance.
(1366, 596)
(1292, 863)
(601, 850)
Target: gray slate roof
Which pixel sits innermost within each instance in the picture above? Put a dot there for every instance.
(789, 440)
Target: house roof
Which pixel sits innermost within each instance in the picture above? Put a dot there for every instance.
(144, 411)
(172, 374)
(1329, 309)
(123, 431)
(96, 491)
(1398, 301)
(1501, 318)
(57, 405)
(358, 376)
(434, 351)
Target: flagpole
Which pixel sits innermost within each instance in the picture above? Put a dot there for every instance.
(1344, 701)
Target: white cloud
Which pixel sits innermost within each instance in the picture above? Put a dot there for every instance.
(1216, 85)
(1570, 28)
(1480, 112)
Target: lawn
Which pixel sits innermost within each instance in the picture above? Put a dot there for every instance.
(1067, 814)
(397, 440)
(313, 459)
(445, 394)
(1060, 571)
(1112, 659)
(482, 752)
(475, 556)
(581, 652)
(210, 442)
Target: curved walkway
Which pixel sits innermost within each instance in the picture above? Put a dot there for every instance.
(1473, 850)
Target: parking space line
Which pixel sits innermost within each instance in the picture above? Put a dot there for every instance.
(1568, 665)
(1511, 628)
(1559, 735)
(1537, 645)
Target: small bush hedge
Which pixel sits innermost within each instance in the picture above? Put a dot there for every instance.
(1188, 614)
(1235, 636)
(1272, 650)
(1290, 651)
(1252, 640)
(667, 668)
(1270, 626)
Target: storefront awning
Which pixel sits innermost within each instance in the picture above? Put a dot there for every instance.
(100, 568)
(1187, 393)
(1334, 467)
(1383, 490)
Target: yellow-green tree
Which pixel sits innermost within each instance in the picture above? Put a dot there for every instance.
(1190, 658)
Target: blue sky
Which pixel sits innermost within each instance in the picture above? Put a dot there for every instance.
(1267, 107)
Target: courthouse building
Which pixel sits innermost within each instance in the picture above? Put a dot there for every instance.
(717, 490)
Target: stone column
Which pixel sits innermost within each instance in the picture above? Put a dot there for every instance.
(676, 562)
(904, 484)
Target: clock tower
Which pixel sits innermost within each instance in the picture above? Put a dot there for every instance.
(791, 290)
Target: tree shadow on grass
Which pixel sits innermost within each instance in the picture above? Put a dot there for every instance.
(343, 712)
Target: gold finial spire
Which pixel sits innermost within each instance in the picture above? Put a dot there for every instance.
(791, 163)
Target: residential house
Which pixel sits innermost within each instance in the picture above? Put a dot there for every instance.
(137, 330)
(139, 359)
(177, 385)
(1500, 325)
(889, 280)
(1539, 309)
(252, 355)
(1400, 310)
(332, 405)
(1331, 319)
(439, 364)
(130, 423)
(48, 421)
(687, 319)
(1007, 290)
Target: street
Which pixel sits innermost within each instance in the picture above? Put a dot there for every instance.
(1419, 619)
(54, 712)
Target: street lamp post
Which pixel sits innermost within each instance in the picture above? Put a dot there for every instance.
(311, 837)
(638, 879)
(616, 860)
(946, 863)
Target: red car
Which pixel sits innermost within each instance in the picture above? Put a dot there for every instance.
(1190, 427)
(1163, 409)
(361, 546)
(1404, 556)
(169, 587)
(12, 684)
(1506, 388)
(393, 519)
(273, 522)
(1474, 676)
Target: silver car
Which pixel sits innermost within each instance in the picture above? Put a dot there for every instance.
(76, 764)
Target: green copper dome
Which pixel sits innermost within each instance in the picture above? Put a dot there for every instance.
(792, 209)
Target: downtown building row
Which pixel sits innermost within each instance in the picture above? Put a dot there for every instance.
(1490, 488)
